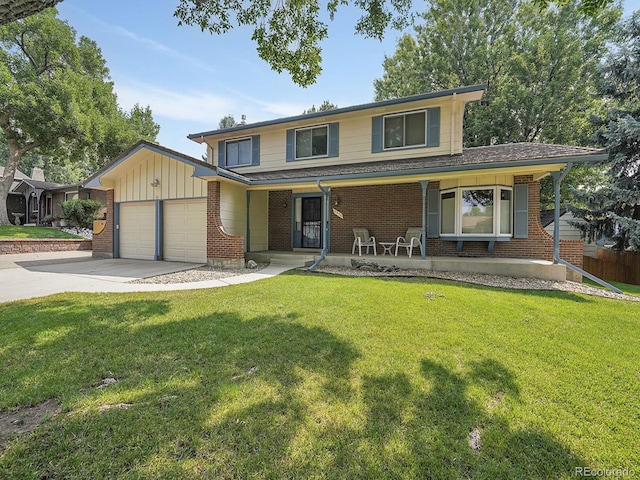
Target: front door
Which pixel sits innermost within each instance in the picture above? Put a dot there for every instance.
(308, 222)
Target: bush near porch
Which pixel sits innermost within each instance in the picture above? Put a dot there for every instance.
(312, 376)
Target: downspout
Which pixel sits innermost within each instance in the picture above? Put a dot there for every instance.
(557, 179)
(325, 210)
(423, 246)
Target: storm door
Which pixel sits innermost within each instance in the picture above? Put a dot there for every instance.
(308, 222)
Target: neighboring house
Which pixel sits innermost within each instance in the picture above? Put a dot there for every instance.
(303, 183)
(15, 201)
(34, 198)
(567, 231)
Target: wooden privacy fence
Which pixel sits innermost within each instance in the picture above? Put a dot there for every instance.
(613, 266)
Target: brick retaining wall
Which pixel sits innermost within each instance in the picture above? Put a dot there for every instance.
(42, 245)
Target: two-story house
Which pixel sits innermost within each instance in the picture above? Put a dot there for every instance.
(302, 184)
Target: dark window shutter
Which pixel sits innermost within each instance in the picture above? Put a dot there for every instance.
(291, 145)
(433, 213)
(221, 154)
(255, 150)
(433, 127)
(333, 139)
(521, 211)
(376, 134)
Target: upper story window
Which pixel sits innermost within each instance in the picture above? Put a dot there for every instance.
(482, 211)
(406, 130)
(307, 143)
(239, 152)
(312, 142)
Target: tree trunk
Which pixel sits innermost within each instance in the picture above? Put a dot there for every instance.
(7, 179)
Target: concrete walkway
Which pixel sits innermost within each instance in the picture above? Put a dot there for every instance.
(33, 275)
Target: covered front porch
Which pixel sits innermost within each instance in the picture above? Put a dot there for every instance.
(515, 267)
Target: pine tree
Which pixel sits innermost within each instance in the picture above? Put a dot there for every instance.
(614, 210)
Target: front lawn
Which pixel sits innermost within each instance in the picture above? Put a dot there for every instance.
(315, 376)
(17, 231)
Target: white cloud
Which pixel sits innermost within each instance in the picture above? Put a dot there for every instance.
(272, 109)
(176, 105)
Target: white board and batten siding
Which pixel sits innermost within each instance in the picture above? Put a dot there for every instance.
(175, 181)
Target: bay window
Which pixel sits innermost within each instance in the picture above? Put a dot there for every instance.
(476, 211)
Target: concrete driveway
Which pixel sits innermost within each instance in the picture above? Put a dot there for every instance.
(33, 275)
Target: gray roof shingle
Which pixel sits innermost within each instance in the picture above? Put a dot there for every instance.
(491, 156)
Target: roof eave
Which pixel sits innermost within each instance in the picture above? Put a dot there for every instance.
(200, 169)
(200, 137)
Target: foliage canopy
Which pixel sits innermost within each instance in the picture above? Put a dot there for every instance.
(613, 211)
(56, 97)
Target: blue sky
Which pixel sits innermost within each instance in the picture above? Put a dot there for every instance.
(191, 79)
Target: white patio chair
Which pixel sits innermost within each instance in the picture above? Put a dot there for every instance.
(363, 239)
(410, 240)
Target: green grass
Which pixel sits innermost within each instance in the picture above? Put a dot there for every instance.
(314, 376)
(11, 232)
(624, 287)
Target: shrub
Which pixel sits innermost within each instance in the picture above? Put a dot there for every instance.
(81, 212)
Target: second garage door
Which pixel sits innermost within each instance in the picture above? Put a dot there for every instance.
(185, 231)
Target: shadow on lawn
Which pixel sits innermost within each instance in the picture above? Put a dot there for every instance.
(228, 396)
(411, 433)
(221, 390)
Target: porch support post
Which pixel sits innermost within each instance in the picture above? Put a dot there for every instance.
(248, 233)
(557, 180)
(423, 247)
(326, 230)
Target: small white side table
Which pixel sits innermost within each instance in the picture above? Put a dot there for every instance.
(387, 247)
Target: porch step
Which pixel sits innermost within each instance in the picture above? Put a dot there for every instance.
(297, 260)
(291, 259)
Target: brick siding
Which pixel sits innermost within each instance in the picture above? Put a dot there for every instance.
(280, 220)
(103, 242)
(388, 210)
(222, 249)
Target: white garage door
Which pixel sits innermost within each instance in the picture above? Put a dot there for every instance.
(137, 230)
(185, 231)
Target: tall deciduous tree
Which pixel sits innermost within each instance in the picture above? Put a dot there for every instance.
(55, 96)
(614, 210)
(288, 34)
(540, 68)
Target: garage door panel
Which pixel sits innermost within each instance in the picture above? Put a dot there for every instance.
(185, 231)
(137, 230)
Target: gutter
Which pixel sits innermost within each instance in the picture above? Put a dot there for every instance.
(323, 254)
